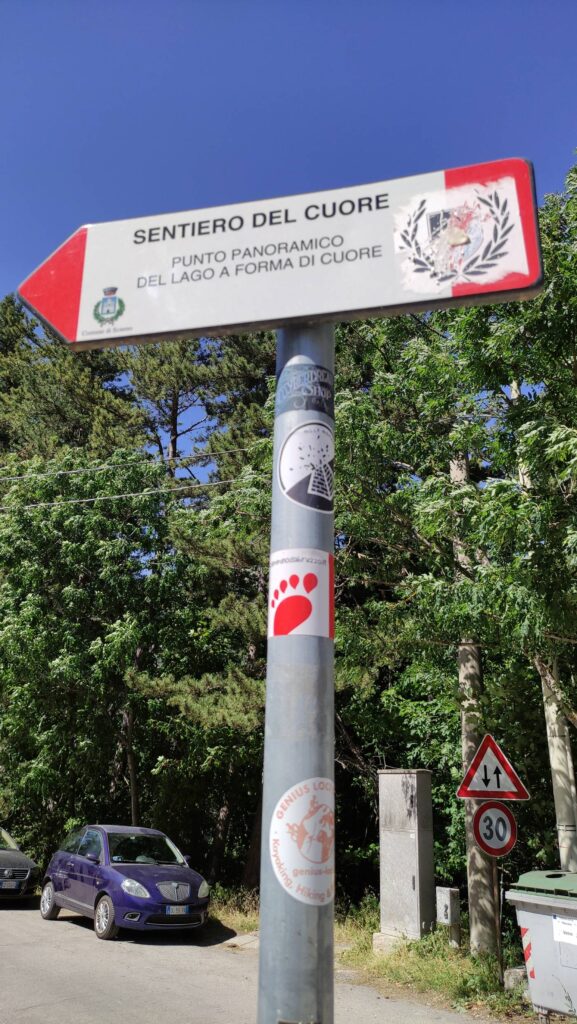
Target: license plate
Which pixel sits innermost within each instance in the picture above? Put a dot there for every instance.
(9, 883)
(177, 911)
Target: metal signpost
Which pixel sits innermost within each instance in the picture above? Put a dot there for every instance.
(491, 774)
(463, 236)
(297, 864)
(495, 832)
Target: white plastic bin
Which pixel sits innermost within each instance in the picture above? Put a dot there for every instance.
(546, 905)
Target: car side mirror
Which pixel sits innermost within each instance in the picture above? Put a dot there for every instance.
(93, 858)
(187, 858)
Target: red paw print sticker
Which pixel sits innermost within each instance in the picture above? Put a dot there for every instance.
(291, 607)
(301, 593)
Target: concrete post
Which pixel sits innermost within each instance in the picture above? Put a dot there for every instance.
(449, 913)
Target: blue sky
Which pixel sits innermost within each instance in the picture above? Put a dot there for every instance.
(125, 108)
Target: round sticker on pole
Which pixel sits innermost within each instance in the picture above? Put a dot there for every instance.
(495, 828)
(302, 841)
(306, 466)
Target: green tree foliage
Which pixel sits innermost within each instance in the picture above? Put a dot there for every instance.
(90, 590)
(49, 398)
(229, 536)
(132, 650)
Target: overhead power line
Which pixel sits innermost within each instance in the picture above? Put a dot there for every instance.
(169, 489)
(180, 463)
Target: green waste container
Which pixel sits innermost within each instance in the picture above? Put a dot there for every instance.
(546, 905)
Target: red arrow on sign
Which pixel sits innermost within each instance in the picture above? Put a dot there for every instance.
(53, 291)
(491, 774)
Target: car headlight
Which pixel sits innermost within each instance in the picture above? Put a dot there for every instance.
(134, 888)
(203, 889)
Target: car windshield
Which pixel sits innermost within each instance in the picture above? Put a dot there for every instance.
(6, 841)
(127, 848)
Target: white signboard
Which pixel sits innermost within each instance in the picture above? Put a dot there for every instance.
(449, 237)
(301, 583)
(565, 929)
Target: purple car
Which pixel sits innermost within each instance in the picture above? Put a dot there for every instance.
(124, 877)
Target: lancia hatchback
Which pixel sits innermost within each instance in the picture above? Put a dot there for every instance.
(124, 877)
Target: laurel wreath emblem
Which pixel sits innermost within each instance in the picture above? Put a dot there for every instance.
(108, 319)
(424, 262)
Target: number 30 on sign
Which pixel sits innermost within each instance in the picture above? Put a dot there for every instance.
(495, 828)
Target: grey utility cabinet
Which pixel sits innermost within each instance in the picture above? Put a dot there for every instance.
(406, 843)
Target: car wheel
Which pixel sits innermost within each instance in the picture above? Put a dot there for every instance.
(48, 908)
(104, 925)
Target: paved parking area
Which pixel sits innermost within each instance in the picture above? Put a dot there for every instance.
(58, 972)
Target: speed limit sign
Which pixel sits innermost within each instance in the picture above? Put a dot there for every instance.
(495, 828)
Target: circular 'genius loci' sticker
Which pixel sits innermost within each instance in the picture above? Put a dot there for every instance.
(302, 841)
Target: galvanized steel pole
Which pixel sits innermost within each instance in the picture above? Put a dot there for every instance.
(297, 856)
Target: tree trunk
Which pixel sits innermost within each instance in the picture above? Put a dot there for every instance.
(220, 838)
(127, 738)
(484, 912)
(562, 771)
(173, 437)
(251, 873)
(560, 755)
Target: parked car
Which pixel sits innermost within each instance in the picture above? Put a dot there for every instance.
(19, 876)
(124, 877)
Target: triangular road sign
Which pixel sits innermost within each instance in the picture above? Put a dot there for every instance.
(491, 774)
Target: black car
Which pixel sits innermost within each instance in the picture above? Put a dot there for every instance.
(19, 876)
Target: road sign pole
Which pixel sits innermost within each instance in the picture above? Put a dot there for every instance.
(497, 903)
(297, 857)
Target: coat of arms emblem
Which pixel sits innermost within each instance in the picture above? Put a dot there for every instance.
(109, 308)
(474, 239)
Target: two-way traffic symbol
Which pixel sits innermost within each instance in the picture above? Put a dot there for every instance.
(491, 774)
(487, 779)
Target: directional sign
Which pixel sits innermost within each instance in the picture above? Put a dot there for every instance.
(495, 828)
(455, 237)
(491, 774)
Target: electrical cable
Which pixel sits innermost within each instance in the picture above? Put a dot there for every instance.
(116, 497)
(178, 463)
